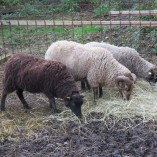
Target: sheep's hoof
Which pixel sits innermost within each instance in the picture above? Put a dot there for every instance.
(2, 109)
(95, 102)
(27, 107)
(56, 111)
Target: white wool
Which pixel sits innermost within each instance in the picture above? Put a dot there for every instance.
(95, 64)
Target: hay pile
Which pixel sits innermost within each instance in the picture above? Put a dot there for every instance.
(17, 122)
(143, 103)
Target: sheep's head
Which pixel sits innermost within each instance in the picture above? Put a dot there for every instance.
(125, 84)
(74, 102)
(151, 76)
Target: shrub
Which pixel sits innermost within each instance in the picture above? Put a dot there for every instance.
(101, 10)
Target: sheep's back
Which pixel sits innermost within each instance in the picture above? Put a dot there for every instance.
(80, 59)
(127, 56)
(73, 55)
(34, 74)
(108, 68)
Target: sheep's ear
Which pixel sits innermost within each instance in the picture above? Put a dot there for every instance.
(134, 77)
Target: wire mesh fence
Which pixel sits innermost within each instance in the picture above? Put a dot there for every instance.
(30, 27)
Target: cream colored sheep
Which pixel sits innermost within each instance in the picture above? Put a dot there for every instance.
(95, 64)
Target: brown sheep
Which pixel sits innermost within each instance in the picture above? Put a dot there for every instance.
(25, 72)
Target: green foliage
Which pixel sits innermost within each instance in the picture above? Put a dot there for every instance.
(149, 17)
(153, 35)
(87, 30)
(21, 34)
(70, 5)
(57, 8)
(102, 10)
(66, 6)
(136, 37)
(30, 10)
(146, 5)
(10, 2)
(18, 2)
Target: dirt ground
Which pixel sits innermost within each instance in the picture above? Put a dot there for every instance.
(111, 137)
(94, 139)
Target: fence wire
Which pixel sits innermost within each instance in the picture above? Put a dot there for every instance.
(30, 27)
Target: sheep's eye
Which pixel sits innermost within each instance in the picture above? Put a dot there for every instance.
(149, 73)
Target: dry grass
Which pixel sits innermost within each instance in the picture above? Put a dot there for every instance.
(142, 103)
(17, 122)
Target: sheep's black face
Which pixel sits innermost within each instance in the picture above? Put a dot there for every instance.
(151, 77)
(75, 103)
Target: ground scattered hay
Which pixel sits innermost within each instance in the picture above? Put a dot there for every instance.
(93, 139)
(111, 127)
(143, 103)
(16, 122)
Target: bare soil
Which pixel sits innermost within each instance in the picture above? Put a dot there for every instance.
(96, 138)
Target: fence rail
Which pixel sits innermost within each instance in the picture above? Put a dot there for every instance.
(75, 23)
(133, 12)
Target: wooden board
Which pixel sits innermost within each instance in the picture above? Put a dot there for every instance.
(133, 12)
(75, 23)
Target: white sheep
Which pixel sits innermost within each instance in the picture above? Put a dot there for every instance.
(131, 59)
(95, 64)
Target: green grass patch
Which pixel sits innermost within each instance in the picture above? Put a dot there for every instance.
(86, 32)
(87, 29)
(24, 34)
(36, 39)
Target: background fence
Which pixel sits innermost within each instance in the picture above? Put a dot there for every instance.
(31, 26)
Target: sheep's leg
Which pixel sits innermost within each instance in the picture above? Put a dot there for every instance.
(87, 84)
(19, 93)
(92, 80)
(83, 87)
(100, 92)
(53, 105)
(52, 102)
(4, 95)
(122, 95)
(95, 92)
